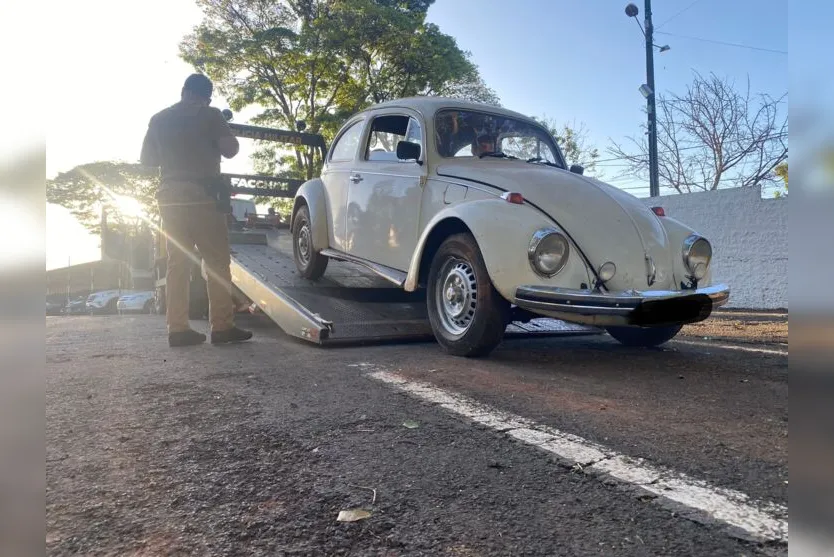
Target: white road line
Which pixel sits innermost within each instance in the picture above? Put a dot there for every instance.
(732, 347)
(697, 500)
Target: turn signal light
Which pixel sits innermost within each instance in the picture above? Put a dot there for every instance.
(659, 211)
(513, 197)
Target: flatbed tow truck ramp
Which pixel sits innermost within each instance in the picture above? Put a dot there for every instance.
(349, 304)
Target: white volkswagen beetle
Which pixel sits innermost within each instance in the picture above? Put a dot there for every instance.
(477, 205)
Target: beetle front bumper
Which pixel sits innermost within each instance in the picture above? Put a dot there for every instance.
(638, 308)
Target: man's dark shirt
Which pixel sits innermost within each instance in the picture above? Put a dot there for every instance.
(182, 140)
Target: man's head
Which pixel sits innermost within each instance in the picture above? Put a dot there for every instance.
(197, 88)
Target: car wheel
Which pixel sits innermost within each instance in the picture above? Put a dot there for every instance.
(309, 262)
(467, 315)
(644, 336)
(148, 308)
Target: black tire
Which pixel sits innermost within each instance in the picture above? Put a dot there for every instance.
(644, 336)
(148, 307)
(310, 263)
(473, 323)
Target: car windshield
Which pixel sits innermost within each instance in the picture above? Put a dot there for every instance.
(471, 133)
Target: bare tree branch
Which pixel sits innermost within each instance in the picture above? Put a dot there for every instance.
(712, 136)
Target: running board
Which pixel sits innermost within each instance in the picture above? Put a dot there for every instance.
(389, 274)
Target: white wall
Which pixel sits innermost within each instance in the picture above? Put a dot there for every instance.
(749, 237)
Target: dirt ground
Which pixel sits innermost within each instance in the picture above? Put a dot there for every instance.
(756, 328)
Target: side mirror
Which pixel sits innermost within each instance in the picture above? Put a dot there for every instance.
(577, 169)
(407, 150)
(227, 114)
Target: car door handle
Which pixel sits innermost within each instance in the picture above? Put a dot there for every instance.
(356, 178)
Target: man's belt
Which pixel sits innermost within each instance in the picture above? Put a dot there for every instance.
(217, 187)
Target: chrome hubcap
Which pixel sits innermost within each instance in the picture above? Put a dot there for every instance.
(303, 243)
(457, 296)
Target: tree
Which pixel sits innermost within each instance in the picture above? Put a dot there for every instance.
(782, 172)
(320, 61)
(710, 136)
(573, 141)
(470, 88)
(87, 189)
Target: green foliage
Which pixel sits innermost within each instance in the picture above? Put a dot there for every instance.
(88, 188)
(782, 172)
(321, 61)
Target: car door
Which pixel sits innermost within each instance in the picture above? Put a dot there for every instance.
(335, 177)
(385, 192)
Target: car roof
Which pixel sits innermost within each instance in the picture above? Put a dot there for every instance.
(427, 105)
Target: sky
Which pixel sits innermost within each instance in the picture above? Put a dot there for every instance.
(580, 62)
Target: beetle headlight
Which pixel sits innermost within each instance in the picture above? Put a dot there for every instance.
(548, 252)
(697, 254)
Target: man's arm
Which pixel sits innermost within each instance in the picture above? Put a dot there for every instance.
(150, 148)
(226, 141)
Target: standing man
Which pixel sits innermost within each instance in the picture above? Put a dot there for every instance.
(186, 141)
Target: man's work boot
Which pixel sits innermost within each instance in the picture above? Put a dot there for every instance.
(232, 335)
(186, 338)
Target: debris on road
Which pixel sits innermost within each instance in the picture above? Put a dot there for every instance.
(411, 424)
(353, 515)
(372, 490)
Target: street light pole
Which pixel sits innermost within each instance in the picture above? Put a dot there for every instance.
(648, 91)
(654, 185)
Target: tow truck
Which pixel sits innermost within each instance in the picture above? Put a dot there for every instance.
(351, 304)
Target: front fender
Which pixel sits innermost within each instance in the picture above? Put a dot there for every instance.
(312, 194)
(678, 232)
(503, 231)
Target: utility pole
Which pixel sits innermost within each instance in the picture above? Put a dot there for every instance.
(648, 92)
(654, 185)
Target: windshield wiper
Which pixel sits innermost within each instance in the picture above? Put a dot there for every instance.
(496, 154)
(543, 161)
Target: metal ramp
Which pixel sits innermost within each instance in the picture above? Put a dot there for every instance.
(349, 304)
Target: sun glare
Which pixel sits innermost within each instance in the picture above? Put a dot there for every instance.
(128, 206)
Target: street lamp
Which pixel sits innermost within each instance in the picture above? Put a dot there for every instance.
(647, 90)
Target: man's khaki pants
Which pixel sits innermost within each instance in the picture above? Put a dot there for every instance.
(190, 218)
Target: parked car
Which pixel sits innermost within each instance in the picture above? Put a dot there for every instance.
(478, 205)
(55, 307)
(77, 306)
(104, 302)
(136, 302)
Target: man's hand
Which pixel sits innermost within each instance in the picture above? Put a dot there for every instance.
(227, 143)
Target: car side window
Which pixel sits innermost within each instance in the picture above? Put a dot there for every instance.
(415, 132)
(386, 132)
(345, 147)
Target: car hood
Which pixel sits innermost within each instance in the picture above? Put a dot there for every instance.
(606, 223)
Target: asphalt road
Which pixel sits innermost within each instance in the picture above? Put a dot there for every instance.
(255, 449)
